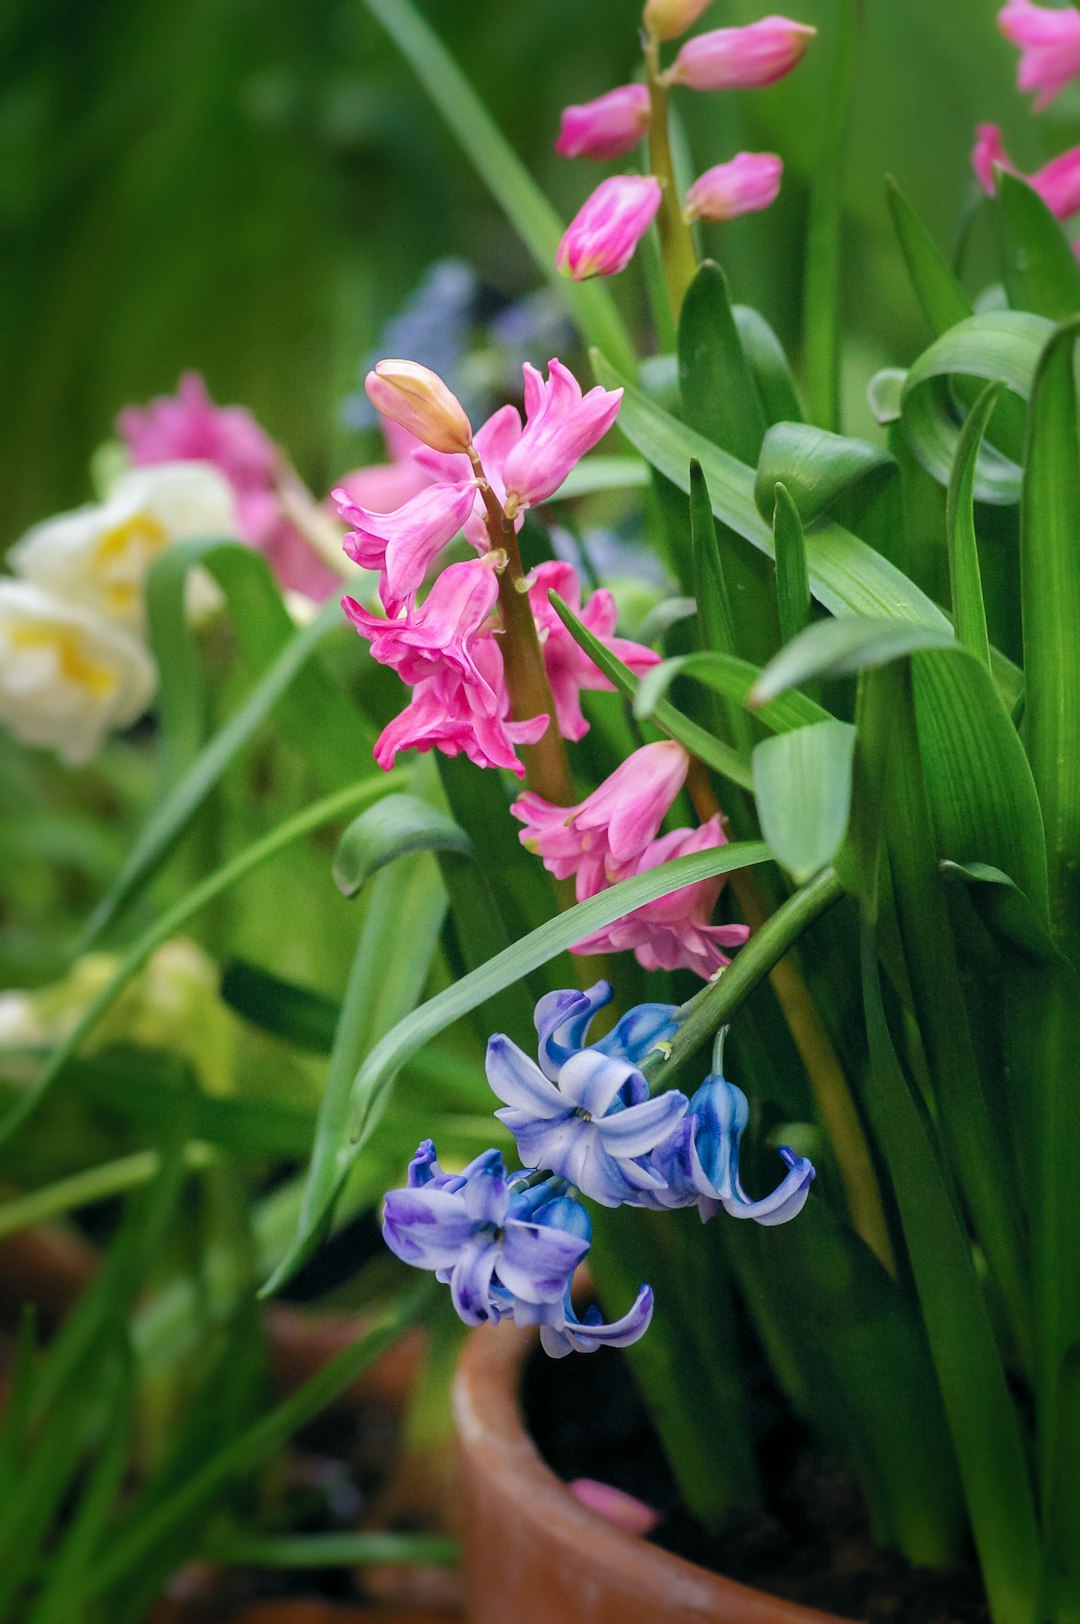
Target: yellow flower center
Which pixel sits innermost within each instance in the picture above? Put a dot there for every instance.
(122, 555)
(73, 662)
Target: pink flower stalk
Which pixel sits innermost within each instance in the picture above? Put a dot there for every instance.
(608, 127)
(569, 669)
(748, 183)
(667, 19)
(601, 238)
(189, 427)
(741, 58)
(445, 714)
(674, 932)
(561, 425)
(1057, 183)
(1049, 42)
(442, 632)
(404, 544)
(600, 840)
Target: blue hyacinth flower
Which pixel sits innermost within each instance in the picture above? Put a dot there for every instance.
(563, 1020)
(481, 1239)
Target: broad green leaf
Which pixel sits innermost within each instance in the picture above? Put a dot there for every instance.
(733, 678)
(769, 365)
(502, 171)
(713, 752)
(821, 266)
(173, 921)
(802, 785)
(371, 1087)
(969, 611)
(998, 346)
(815, 466)
(392, 828)
(297, 1014)
(792, 578)
(1008, 912)
(944, 302)
(1040, 268)
(837, 648)
(1061, 1572)
(716, 618)
(719, 396)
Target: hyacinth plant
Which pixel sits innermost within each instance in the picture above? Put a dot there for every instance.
(785, 876)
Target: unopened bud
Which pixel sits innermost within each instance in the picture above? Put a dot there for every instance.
(746, 184)
(741, 58)
(667, 19)
(417, 398)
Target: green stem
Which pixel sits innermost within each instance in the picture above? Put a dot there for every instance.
(333, 1550)
(95, 1184)
(676, 242)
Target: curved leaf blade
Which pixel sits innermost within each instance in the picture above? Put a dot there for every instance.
(394, 827)
(802, 785)
(838, 648)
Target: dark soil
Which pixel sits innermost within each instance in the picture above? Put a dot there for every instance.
(810, 1544)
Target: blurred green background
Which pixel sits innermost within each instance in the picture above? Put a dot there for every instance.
(251, 187)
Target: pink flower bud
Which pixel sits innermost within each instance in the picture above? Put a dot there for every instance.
(417, 398)
(987, 154)
(607, 127)
(1057, 183)
(667, 19)
(601, 238)
(741, 58)
(748, 183)
(1049, 42)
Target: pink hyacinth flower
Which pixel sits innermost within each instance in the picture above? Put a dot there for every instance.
(741, 58)
(608, 127)
(1049, 42)
(748, 183)
(601, 839)
(189, 427)
(444, 714)
(493, 442)
(404, 544)
(561, 425)
(601, 238)
(674, 932)
(1057, 183)
(441, 632)
(569, 669)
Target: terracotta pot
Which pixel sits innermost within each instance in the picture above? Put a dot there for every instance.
(531, 1550)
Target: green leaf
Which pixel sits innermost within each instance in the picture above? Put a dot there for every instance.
(1040, 269)
(769, 365)
(735, 679)
(816, 467)
(719, 395)
(792, 578)
(1061, 1573)
(173, 921)
(1050, 593)
(596, 474)
(506, 177)
(392, 828)
(715, 754)
(802, 784)
(836, 648)
(284, 1009)
(821, 266)
(944, 302)
(336, 1152)
(969, 611)
(998, 346)
(333, 1550)
(716, 617)
(846, 576)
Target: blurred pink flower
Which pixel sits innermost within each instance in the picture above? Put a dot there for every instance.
(440, 633)
(1057, 183)
(569, 669)
(189, 427)
(615, 1505)
(741, 58)
(601, 238)
(1049, 42)
(608, 127)
(405, 543)
(745, 184)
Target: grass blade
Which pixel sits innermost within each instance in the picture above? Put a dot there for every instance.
(792, 577)
(969, 610)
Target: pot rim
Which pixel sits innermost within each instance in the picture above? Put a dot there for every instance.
(491, 1426)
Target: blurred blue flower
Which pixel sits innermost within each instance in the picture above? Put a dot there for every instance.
(434, 327)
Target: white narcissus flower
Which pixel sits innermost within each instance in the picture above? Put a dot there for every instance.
(67, 676)
(99, 555)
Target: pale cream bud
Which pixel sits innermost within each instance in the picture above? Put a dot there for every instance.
(417, 398)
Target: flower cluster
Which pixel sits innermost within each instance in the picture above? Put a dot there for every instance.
(1049, 43)
(447, 648)
(613, 834)
(190, 427)
(585, 1119)
(74, 663)
(602, 237)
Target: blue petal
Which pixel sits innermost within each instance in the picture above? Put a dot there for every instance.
(470, 1283)
(591, 1080)
(519, 1082)
(562, 1021)
(424, 1166)
(426, 1227)
(638, 1129)
(588, 1335)
(536, 1262)
(720, 1112)
(565, 1212)
(639, 1031)
(485, 1195)
(785, 1202)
